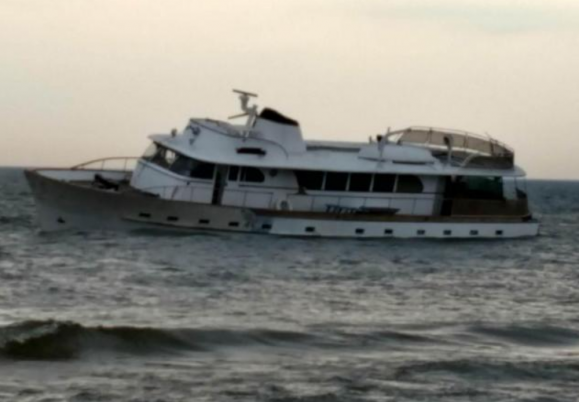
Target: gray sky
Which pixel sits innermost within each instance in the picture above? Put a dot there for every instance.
(83, 79)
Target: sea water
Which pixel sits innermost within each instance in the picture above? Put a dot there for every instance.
(229, 317)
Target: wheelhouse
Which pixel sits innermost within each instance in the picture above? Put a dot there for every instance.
(171, 174)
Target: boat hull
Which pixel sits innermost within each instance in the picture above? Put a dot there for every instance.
(63, 205)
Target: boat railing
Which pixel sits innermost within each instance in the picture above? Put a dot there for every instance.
(441, 138)
(195, 194)
(116, 163)
(407, 205)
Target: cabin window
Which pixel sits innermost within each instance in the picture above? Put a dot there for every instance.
(360, 182)
(202, 170)
(251, 151)
(384, 183)
(310, 179)
(179, 164)
(182, 165)
(150, 151)
(483, 188)
(160, 156)
(336, 181)
(233, 173)
(409, 184)
(252, 175)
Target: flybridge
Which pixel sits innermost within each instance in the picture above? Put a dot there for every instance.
(457, 147)
(270, 133)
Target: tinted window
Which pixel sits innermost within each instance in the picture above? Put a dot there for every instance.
(360, 182)
(202, 170)
(160, 155)
(252, 175)
(310, 179)
(409, 184)
(233, 173)
(384, 183)
(182, 165)
(336, 181)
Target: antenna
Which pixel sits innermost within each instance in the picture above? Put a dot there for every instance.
(249, 111)
(239, 91)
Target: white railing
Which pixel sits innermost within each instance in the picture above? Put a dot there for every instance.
(196, 194)
(117, 163)
(303, 203)
(461, 140)
(348, 204)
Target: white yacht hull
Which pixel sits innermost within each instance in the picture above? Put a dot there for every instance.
(62, 205)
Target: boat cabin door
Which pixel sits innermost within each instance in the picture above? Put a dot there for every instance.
(218, 185)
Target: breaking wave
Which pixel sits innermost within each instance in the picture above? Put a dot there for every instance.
(62, 340)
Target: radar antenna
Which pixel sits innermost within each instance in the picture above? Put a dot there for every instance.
(249, 111)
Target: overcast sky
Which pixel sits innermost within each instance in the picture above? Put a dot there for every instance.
(83, 79)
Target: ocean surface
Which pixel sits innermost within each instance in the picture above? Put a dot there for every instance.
(228, 317)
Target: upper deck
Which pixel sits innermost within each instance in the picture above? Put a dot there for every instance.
(457, 147)
(272, 140)
(423, 151)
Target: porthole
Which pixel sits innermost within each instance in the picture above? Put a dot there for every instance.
(447, 232)
(359, 231)
(421, 232)
(474, 232)
(499, 232)
(388, 232)
(204, 221)
(60, 220)
(172, 218)
(266, 226)
(144, 215)
(310, 229)
(233, 224)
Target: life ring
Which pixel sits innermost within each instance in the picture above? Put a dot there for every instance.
(283, 204)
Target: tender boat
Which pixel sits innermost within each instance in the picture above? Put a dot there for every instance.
(263, 177)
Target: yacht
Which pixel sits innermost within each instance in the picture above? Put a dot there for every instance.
(264, 177)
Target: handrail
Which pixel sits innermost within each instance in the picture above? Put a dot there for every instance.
(187, 193)
(103, 162)
(171, 192)
(493, 143)
(459, 206)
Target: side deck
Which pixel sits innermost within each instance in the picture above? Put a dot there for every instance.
(78, 205)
